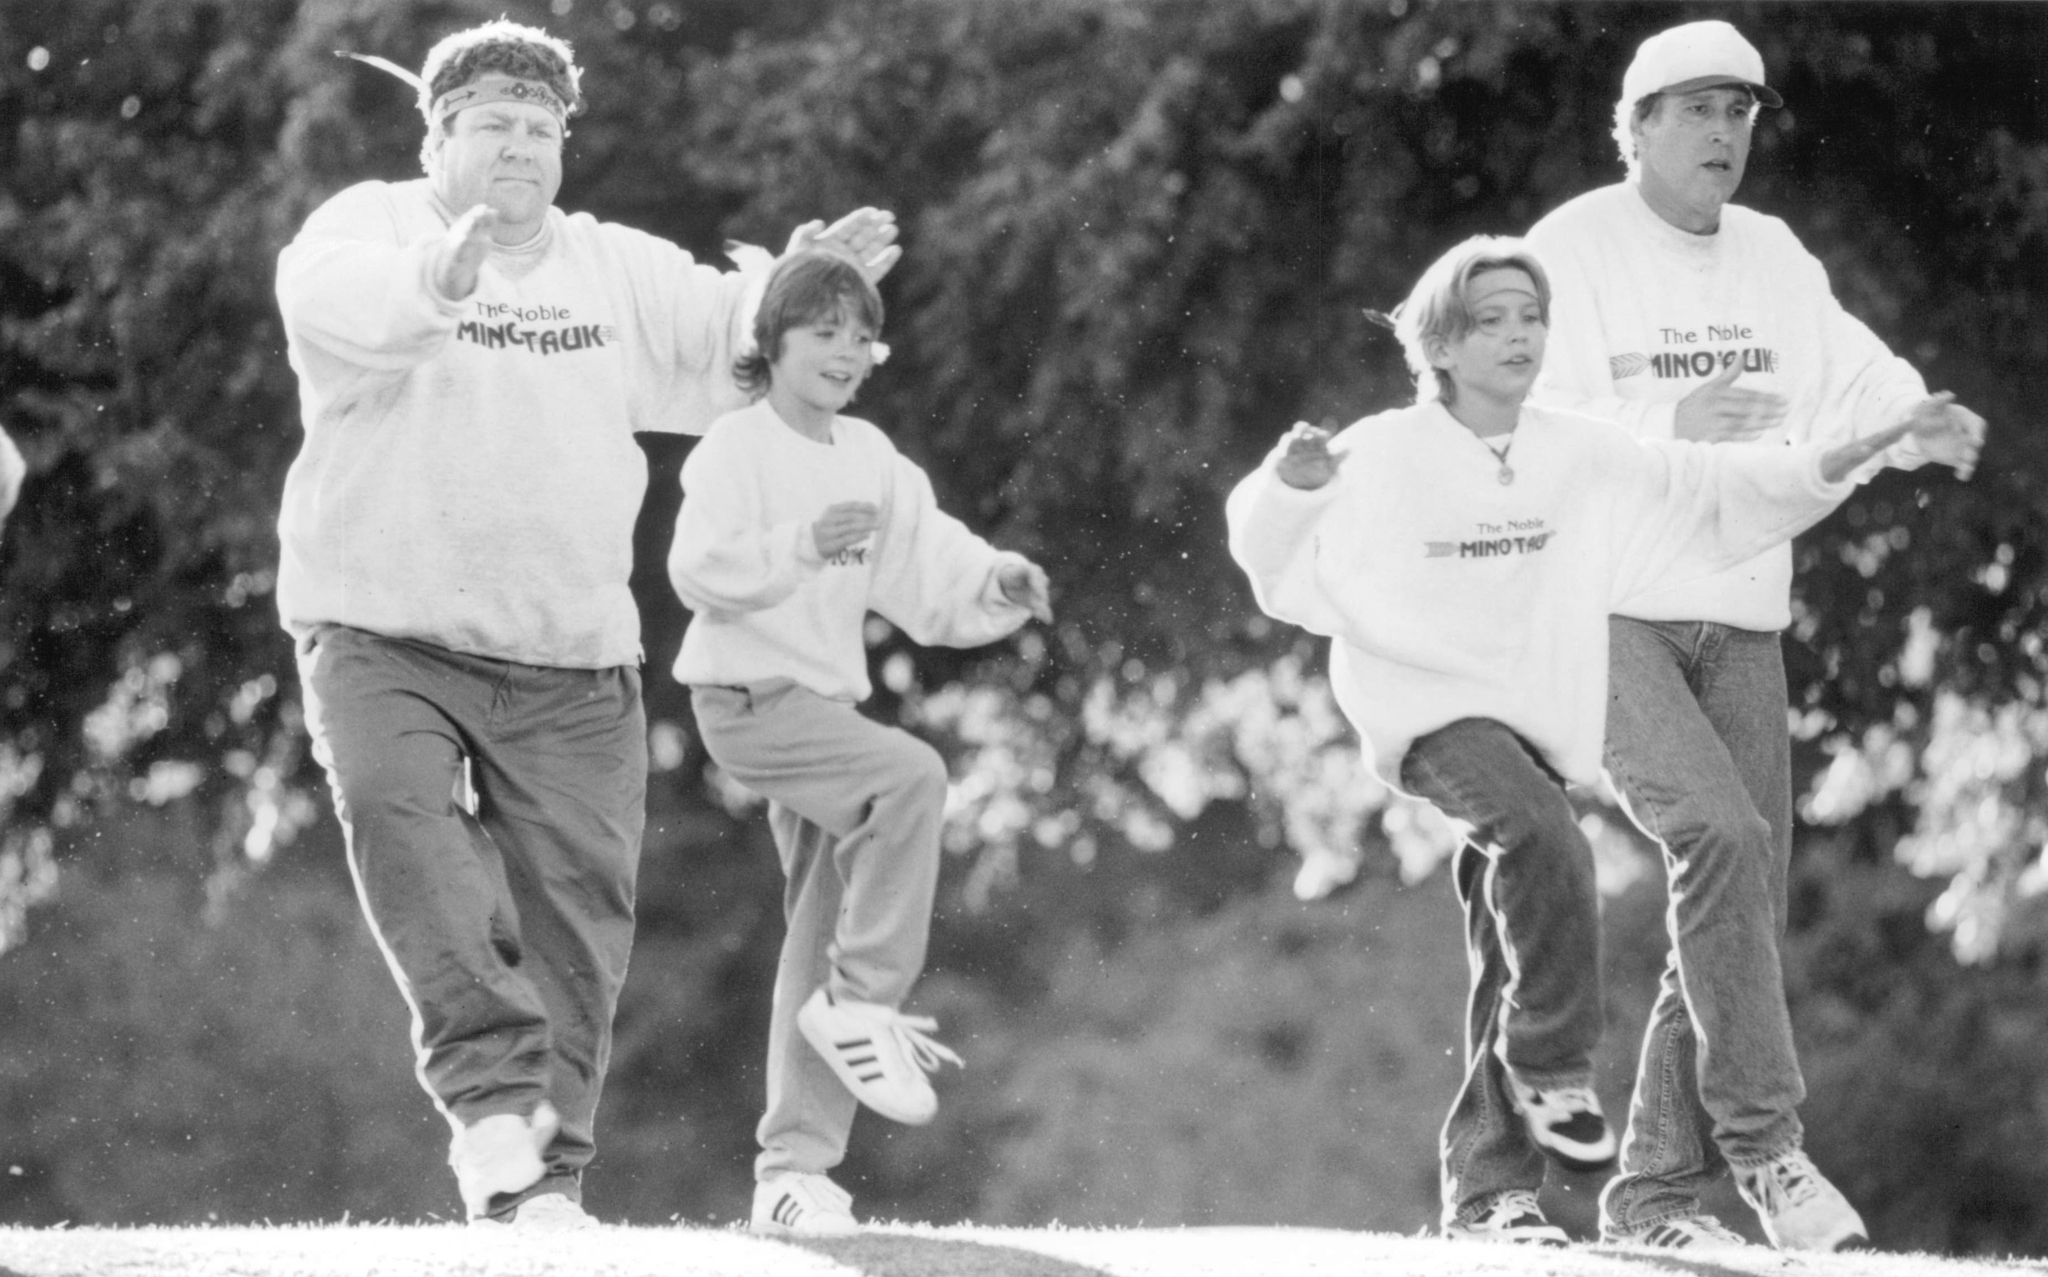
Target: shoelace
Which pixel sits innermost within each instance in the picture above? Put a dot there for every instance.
(1794, 1176)
(911, 1033)
(1515, 1203)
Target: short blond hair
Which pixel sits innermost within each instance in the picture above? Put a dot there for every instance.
(1436, 309)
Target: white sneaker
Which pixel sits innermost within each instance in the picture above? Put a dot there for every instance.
(545, 1213)
(799, 1204)
(880, 1054)
(1800, 1210)
(1682, 1232)
(500, 1154)
(1511, 1216)
(1567, 1124)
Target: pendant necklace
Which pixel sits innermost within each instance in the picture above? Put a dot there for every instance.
(1507, 472)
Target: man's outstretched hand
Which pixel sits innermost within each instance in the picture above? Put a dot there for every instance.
(866, 237)
(462, 251)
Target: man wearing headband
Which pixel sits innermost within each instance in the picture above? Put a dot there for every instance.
(1682, 315)
(456, 542)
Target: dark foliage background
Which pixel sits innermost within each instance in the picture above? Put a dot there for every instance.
(1139, 234)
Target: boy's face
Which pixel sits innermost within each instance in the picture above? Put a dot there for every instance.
(1501, 354)
(824, 360)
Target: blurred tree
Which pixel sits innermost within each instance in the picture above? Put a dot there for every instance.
(1140, 237)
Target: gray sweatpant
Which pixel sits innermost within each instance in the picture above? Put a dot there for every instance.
(855, 808)
(507, 929)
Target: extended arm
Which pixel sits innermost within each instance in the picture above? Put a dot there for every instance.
(1272, 516)
(939, 581)
(350, 287)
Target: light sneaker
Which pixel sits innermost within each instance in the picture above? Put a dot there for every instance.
(543, 1213)
(1681, 1232)
(1511, 1216)
(800, 1204)
(500, 1154)
(1567, 1124)
(880, 1054)
(1800, 1210)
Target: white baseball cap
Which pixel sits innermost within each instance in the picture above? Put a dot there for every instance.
(1697, 55)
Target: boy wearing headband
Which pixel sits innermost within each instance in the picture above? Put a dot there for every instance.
(456, 542)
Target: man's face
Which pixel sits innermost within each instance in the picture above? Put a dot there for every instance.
(504, 154)
(1691, 151)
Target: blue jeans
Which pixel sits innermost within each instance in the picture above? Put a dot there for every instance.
(1697, 751)
(1524, 874)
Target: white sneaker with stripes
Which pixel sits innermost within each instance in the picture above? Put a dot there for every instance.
(799, 1204)
(880, 1054)
(1681, 1232)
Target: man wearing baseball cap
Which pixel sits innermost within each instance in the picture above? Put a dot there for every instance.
(455, 547)
(1682, 315)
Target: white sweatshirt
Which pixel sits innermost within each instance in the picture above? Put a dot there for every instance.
(1642, 313)
(1450, 595)
(469, 476)
(768, 607)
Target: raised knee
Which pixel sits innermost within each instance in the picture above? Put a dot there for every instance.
(924, 771)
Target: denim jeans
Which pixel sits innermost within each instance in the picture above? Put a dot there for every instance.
(1697, 751)
(1524, 874)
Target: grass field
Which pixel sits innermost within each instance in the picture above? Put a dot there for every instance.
(894, 1251)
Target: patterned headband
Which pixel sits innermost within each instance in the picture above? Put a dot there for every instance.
(499, 88)
(491, 88)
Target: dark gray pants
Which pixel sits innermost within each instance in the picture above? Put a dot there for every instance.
(507, 927)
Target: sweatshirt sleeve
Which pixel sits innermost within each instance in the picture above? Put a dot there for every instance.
(933, 577)
(692, 321)
(1865, 387)
(1272, 530)
(1576, 375)
(1687, 510)
(13, 470)
(351, 287)
(724, 561)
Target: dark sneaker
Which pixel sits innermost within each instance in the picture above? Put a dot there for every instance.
(1683, 1232)
(1512, 1216)
(1800, 1210)
(1566, 1124)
